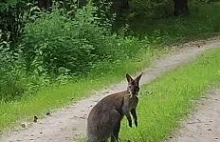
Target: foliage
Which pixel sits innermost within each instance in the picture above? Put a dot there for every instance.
(12, 16)
(202, 22)
(56, 45)
(54, 42)
(104, 12)
(15, 13)
(14, 80)
(56, 95)
(40, 48)
(10, 75)
(157, 8)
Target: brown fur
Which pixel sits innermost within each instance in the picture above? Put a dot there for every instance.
(105, 117)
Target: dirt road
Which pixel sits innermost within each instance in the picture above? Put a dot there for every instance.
(204, 124)
(67, 124)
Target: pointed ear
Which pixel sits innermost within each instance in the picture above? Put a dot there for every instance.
(137, 79)
(129, 78)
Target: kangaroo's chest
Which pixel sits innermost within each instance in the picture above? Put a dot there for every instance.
(133, 101)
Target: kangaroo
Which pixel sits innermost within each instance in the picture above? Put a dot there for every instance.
(105, 117)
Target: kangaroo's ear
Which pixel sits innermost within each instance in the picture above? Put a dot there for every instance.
(129, 78)
(137, 79)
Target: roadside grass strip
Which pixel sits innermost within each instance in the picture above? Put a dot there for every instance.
(169, 98)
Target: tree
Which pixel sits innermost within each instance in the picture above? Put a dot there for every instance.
(11, 13)
(180, 7)
(125, 4)
(44, 4)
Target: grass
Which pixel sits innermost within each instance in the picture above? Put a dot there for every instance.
(55, 96)
(202, 22)
(172, 96)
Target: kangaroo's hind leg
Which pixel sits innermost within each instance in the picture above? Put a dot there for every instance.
(116, 129)
(116, 119)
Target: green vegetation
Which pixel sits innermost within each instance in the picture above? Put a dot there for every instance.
(57, 95)
(202, 22)
(46, 56)
(57, 47)
(57, 54)
(171, 98)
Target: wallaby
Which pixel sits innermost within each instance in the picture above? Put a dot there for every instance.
(105, 117)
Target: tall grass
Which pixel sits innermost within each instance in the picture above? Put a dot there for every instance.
(171, 98)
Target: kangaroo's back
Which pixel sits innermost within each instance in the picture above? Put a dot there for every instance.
(103, 115)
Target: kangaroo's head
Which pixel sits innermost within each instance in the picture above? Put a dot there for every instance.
(133, 84)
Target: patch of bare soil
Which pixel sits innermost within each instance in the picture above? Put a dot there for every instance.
(68, 123)
(203, 125)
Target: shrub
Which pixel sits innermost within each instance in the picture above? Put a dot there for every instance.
(11, 75)
(55, 46)
(14, 80)
(54, 42)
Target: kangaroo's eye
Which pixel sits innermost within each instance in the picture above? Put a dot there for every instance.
(136, 88)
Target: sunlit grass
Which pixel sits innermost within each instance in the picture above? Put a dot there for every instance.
(171, 98)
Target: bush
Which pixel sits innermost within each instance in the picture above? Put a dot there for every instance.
(11, 75)
(55, 47)
(54, 42)
(14, 80)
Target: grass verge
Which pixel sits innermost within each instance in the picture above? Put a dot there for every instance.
(171, 98)
(56, 96)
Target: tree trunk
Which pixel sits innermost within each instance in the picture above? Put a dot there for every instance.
(125, 4)
(44, 4)
(180, 7)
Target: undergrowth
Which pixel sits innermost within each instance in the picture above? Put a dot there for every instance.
(56, 95)
(202, 22)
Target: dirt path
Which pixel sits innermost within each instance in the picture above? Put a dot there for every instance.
(68, 123)
(204, 124)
